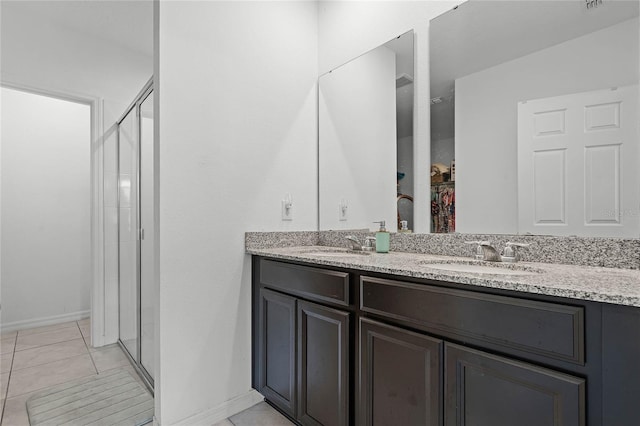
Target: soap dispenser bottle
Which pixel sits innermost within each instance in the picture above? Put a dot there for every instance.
(382, 238)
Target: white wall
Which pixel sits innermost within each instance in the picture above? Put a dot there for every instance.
(347, 29)
(357, 126)
(486, 117)
(442, 151)
(45, 209)
(39, 54)
(237, 131)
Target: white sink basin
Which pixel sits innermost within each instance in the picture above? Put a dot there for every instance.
(471, 267)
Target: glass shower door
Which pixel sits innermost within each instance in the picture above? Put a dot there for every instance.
(137, 289)
(128, 232)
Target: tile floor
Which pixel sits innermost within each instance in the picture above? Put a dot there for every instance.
(37, 358)
(261, 414)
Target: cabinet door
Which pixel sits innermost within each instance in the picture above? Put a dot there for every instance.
(400, 379)
(323, 365)
(276, 356)
(484, 389)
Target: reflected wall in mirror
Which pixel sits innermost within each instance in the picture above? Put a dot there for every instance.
(541, 101)
(366, 139)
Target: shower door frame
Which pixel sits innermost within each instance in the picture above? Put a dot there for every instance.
(137, 361)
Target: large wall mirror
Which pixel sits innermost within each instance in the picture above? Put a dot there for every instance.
(366, 139)
(537, 101)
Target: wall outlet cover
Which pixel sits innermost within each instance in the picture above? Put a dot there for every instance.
(342, 211)
(287, 210)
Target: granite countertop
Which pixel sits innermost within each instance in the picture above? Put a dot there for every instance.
(609, 285)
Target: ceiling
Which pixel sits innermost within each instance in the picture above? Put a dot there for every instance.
(127, 23)
(480, 34)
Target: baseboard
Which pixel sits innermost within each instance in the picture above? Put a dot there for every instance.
(224, 410)
(40, 322)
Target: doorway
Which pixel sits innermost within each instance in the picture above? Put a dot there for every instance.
(46, 209)
(136, 289)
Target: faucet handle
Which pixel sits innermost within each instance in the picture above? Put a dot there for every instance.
(510, 244)
(479, 252)
(510, 253)
(369, 244)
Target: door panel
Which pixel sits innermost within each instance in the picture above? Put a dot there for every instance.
(550, 186)
(484, 389)
(276, 358)
(602, 184)
(323, 365)
(399, 373)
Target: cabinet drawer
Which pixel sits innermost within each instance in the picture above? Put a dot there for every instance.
(305, 281)
(549, 329)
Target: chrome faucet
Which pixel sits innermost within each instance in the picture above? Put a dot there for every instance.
(355, 244)
(369, 243)
(485, 251)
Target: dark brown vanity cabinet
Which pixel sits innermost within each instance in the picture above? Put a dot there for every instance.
(337, 348)
(301, 364)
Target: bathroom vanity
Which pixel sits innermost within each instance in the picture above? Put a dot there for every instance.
(341, 338)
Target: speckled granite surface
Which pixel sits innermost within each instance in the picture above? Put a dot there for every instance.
(607, 252)
(260, 240)
(609, 285)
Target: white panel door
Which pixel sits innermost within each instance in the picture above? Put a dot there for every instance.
(578, 160)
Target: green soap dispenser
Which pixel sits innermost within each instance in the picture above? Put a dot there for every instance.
(382, 238)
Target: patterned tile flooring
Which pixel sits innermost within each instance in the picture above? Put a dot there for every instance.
(37, 358)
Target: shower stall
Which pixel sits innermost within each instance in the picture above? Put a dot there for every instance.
(136, 287)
